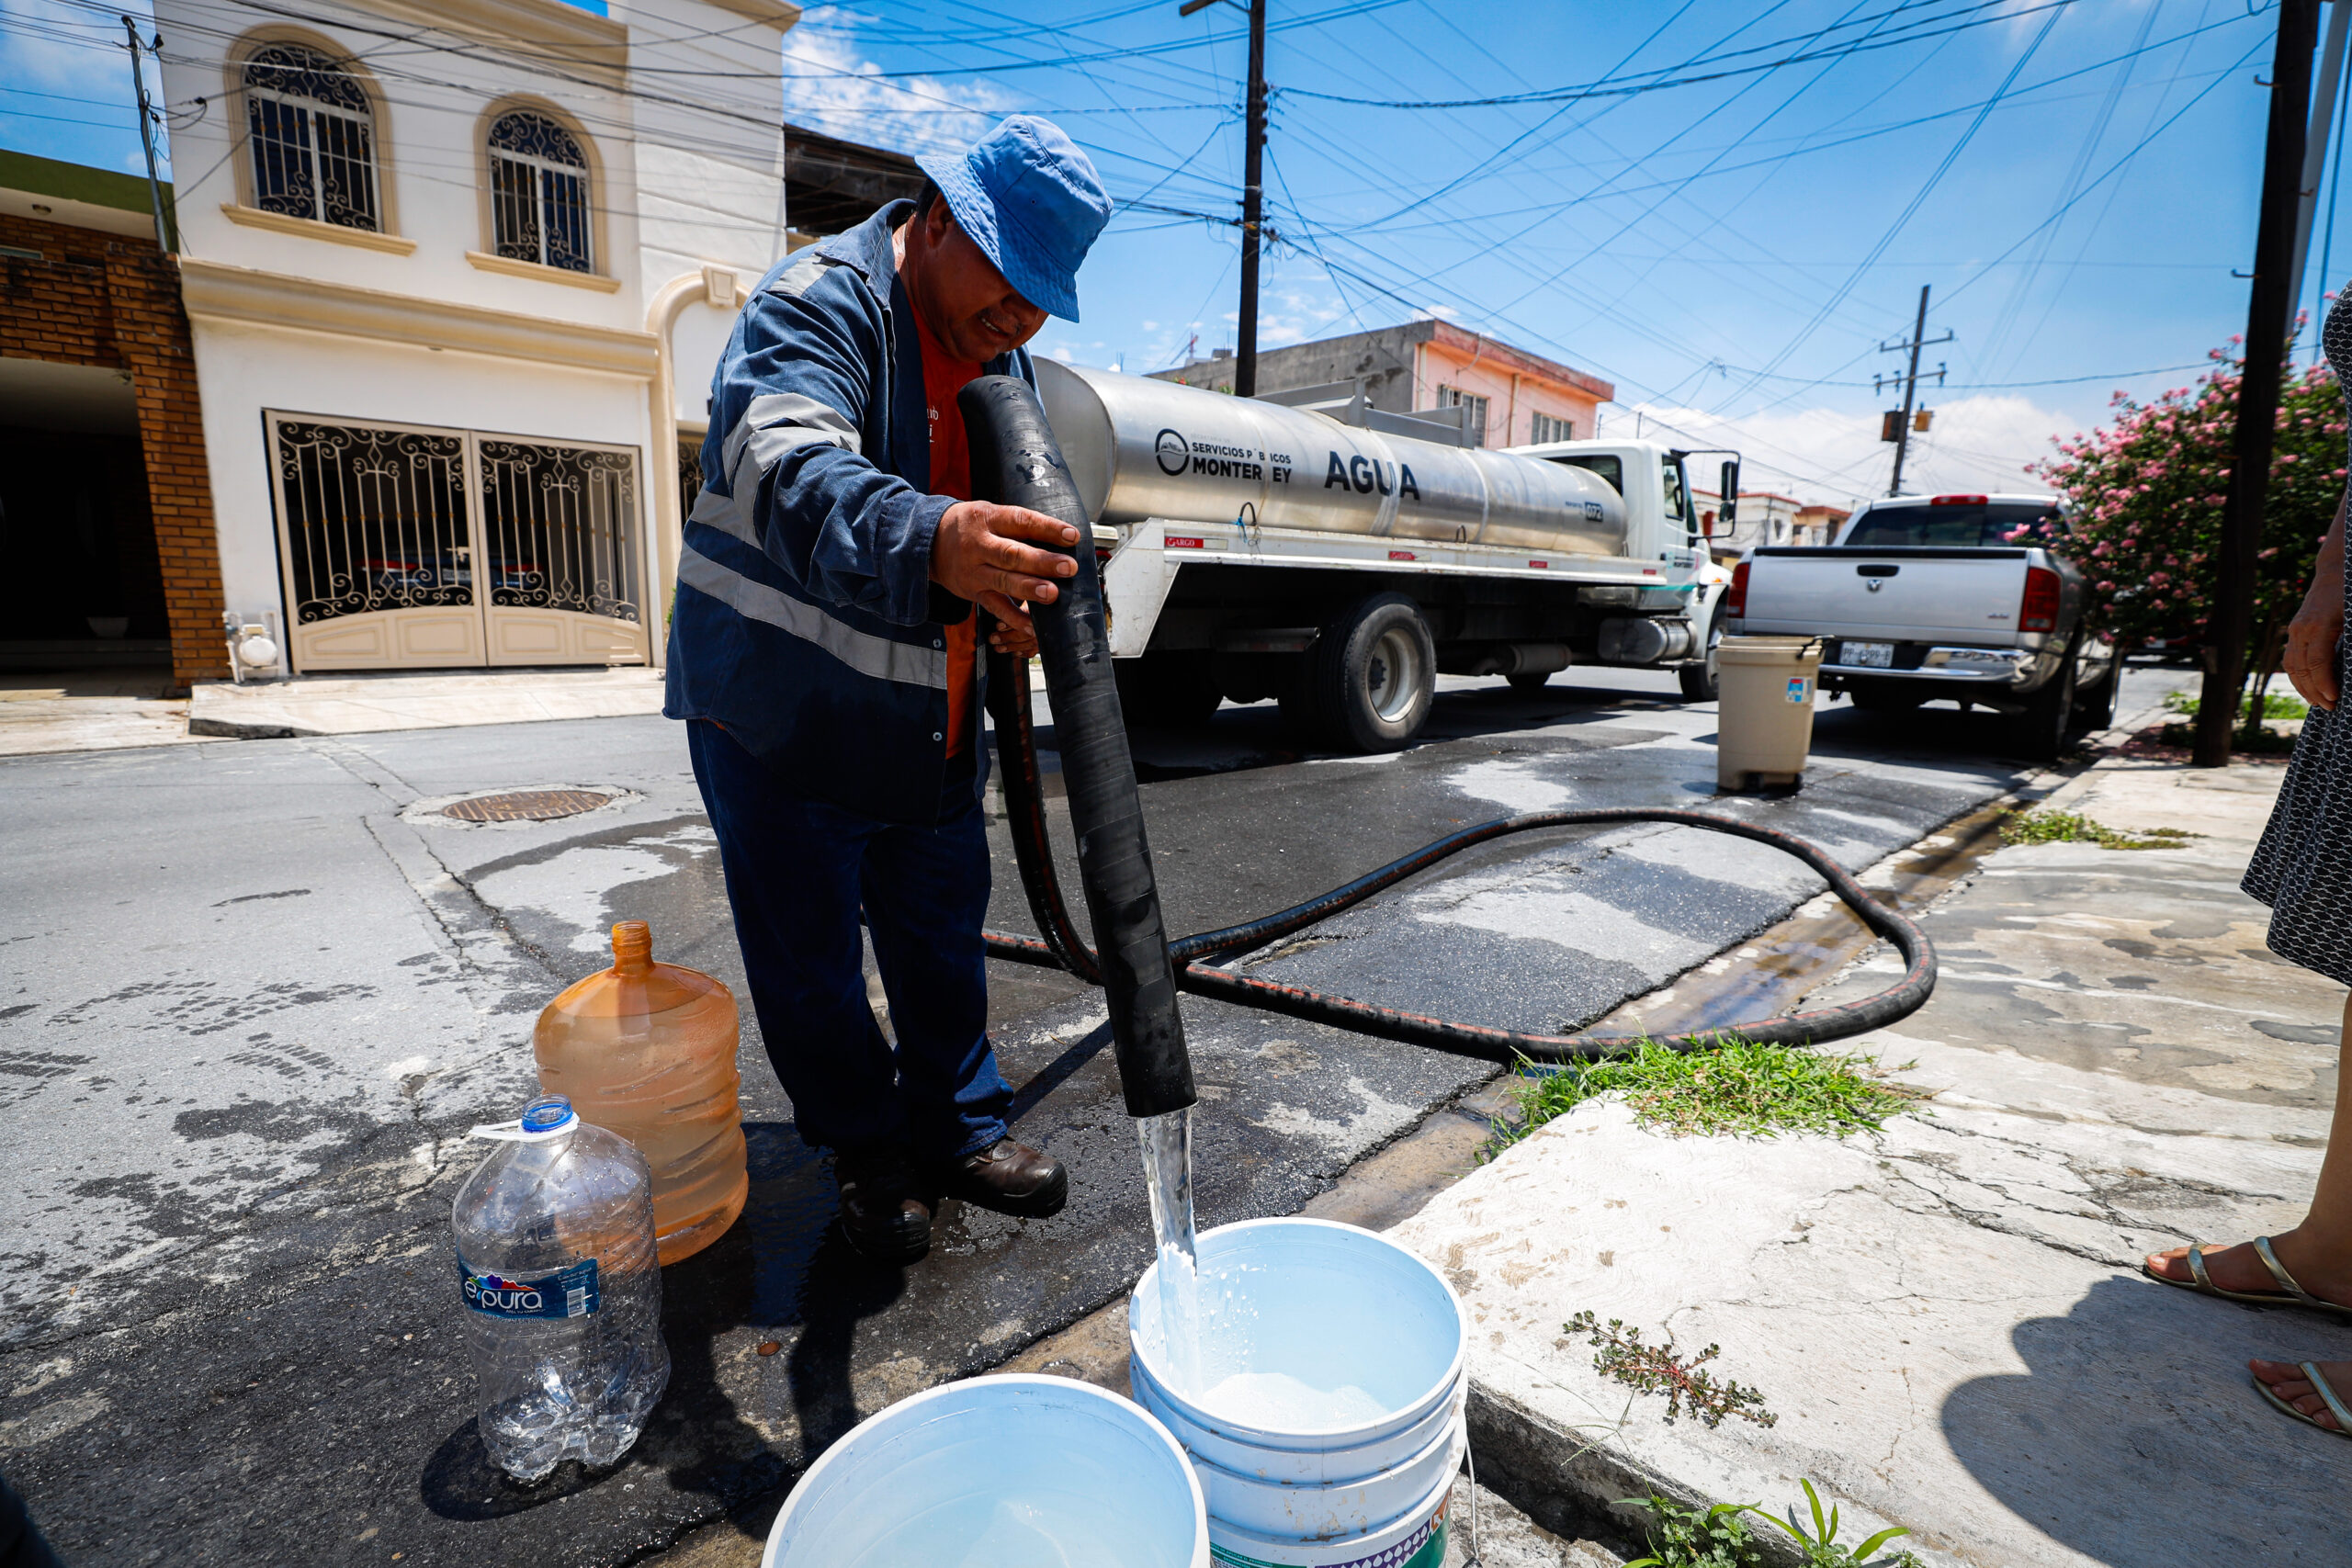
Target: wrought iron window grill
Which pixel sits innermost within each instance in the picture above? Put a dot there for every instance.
(312, 134)
(538, 192)
(393, 519)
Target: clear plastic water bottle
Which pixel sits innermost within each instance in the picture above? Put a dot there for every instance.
(563, 1295)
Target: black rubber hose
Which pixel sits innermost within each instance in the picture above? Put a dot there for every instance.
(1812, 1026)
(1017, 755)
(1016, 462)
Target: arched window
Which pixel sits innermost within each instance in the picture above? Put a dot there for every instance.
(538, 191)
(313, 138)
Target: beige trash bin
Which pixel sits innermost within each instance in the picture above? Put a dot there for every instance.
(1765, 723)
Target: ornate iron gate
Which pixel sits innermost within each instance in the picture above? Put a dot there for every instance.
(414, 548)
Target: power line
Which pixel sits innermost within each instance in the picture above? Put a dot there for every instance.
(1601, 89)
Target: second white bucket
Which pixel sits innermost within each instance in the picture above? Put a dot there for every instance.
(1327, 1424)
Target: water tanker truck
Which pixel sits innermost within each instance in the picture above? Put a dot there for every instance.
(1255, 549)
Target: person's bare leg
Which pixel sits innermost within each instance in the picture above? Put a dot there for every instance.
(2329, 1208)
(2318, 1252)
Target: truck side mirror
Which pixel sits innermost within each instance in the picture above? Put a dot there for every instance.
(1730, 493)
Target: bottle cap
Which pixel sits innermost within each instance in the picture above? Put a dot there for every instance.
(549, 1116)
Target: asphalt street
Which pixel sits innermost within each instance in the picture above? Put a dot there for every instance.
(257, 992)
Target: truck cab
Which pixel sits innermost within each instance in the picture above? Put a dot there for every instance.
(1659, 504)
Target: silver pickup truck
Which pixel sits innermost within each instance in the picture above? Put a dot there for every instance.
(1928, 597)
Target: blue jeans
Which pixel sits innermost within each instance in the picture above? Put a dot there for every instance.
(798, 873)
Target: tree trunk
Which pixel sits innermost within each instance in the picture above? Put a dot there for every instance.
(2273, 644)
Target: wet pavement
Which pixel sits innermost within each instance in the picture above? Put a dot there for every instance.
(257, 992)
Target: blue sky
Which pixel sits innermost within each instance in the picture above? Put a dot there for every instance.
(1729, 243)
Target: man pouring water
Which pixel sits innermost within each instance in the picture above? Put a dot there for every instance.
(825, 651)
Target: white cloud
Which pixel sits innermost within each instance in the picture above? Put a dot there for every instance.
(830, 86)
(1976, 443)
(50, 45)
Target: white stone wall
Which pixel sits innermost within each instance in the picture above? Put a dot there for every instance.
(680, 105)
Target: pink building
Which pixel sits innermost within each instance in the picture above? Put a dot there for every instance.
(1515, 398)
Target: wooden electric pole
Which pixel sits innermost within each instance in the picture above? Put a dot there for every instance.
(2231, 621)
(1253, 194)
(1919, 340)
(147, 134)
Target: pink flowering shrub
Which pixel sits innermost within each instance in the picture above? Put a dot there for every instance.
(2146, 494)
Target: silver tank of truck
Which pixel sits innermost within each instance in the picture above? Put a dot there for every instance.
(1140, 448)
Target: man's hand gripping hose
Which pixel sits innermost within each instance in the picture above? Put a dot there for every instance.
(1194, 958)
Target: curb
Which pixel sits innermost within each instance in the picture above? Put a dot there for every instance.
(230, 729)
(1572, 1486)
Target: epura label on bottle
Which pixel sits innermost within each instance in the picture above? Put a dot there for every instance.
(568, 1292)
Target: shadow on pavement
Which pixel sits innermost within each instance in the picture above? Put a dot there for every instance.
(2135, 1419)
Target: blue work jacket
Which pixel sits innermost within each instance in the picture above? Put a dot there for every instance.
(805, 619)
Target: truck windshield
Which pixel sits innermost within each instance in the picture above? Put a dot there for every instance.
(1980, 527)
(1608, 467)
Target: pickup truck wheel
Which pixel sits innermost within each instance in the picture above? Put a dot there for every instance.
(1703, 682)
(2049, 715)
(1170, 691)
(2095, 707)
(1372, 676)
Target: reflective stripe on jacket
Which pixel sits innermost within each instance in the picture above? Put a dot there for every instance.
(805, 619)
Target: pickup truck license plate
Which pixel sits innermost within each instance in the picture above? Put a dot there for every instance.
(1868, 655)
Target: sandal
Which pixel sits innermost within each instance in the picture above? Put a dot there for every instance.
(2292, 1294)
(2342, 1427)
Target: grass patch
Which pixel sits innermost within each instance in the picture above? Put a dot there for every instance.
(2275, 705)
(2025, 827)
(2264, 742)
(1739, 1089)
(1718, 1536)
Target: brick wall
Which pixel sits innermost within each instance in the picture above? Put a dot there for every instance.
(98, 299)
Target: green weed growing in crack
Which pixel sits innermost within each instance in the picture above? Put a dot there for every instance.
(1738, 1087)
(1693, 1538)
(1621, 1353)
(1717, 1537)
(2022, 826)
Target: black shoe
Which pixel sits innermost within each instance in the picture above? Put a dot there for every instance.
(880, 1214)
(1010, 1177)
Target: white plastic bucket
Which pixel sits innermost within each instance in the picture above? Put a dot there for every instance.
(1416, 1538)
(1331, 1306)
(1324, 1464)
(1013, 1469)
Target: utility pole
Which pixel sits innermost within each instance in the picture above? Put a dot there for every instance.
(1910, 378)
(2231, 621)
(147, 135)
(2330, 76)
(1253, 194)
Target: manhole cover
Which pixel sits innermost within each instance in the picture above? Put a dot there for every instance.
(525, 805)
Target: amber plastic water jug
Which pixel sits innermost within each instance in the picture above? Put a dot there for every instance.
(647, 1049)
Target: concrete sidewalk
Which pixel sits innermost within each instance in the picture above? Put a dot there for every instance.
(1948, 1320)
(358, 705)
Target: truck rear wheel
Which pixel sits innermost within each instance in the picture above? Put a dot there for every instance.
(1168, 691)
(2095, 708)
(1371, 677)
(2049, 715)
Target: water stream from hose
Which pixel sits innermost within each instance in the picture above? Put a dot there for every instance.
(1167, 1176)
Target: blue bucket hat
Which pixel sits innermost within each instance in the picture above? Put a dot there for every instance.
(1032, 202)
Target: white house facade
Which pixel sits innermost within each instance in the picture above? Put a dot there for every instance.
(455, 276)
